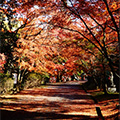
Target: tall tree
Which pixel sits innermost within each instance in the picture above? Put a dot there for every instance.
(94, 21)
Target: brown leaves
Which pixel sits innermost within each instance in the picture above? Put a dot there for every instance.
(60, 99)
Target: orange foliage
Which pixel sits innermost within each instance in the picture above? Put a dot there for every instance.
(2, 62)
(67, 29)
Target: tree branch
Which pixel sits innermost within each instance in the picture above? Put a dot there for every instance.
(84, 23)
(111, 15)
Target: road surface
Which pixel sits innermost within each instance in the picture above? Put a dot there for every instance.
(58, 101)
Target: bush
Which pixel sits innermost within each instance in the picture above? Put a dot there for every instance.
(6, 83)
(34, 80)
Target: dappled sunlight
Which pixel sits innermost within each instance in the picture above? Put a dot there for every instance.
(64, 101)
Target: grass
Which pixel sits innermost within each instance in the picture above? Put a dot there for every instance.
(100, 96)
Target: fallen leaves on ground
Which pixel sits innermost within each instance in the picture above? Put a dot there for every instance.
(61, 99)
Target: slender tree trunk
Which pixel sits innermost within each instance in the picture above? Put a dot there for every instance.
(21, 74)
(96, 83)
(104, 79)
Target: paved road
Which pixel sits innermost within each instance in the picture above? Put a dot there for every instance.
(58, 101)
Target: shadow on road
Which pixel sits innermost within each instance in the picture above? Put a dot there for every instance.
(24, 115)
(56, 101)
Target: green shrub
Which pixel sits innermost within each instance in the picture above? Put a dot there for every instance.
(35, 80)
(6, 82)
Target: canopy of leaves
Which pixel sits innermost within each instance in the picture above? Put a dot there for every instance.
(78, 31)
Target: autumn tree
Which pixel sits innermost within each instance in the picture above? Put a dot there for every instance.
(2, 62)
(7, 36)
(94, 22)
(9, 26)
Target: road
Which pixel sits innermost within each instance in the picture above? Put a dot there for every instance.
(58, 101)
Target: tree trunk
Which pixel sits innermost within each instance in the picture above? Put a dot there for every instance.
(100, 116)
(104, 80)
(21, 75)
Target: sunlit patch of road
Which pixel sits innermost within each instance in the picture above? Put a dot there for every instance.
(65, 98)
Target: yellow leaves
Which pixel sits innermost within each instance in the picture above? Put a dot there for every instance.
(114, 5)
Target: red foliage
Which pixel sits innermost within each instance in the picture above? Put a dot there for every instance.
(80, 30)
(2, 62)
